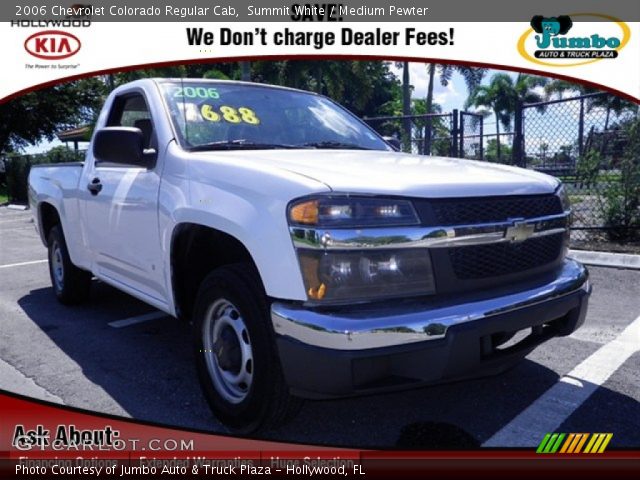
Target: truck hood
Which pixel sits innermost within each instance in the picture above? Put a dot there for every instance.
(392, 173)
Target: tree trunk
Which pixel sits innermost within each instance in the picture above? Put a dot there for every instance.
(428, 133)
(498, 138)
(245, 74)
(319, 75)
(406, 108)
(517, 157)
(432, 74)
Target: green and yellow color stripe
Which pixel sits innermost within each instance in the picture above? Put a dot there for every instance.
(574, 443)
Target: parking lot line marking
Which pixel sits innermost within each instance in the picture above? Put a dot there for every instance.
(34, 262)
(147, 317)
(5, 221)
(554, 406)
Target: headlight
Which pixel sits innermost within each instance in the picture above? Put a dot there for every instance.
(347, 211)
(357, 274)
(564, 198)
(366, 274)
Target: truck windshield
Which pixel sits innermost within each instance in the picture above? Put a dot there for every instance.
(226, 116)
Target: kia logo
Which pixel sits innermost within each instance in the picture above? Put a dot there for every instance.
(52, 45)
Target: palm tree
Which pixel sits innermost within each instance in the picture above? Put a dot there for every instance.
(529, 88)
(611, 103)
(472, 78)
(406, 106)
(502, 96)
(494, 98)
(544, 148)
(557, 88)
(437, 130)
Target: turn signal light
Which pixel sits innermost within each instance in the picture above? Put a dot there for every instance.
(305, 213)
(317, 293)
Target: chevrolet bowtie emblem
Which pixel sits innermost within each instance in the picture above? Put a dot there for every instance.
(519, 231)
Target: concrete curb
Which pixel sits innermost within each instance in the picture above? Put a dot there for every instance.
(606, 259)
(13, 206)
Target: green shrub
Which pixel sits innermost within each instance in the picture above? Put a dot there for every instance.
(3, 193)
(17, 170)
(621, 206)
(588, 168)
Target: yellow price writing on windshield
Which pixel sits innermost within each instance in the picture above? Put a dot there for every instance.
(229, 114)
(208, 113)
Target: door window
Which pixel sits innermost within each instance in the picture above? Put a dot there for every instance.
(131, 110)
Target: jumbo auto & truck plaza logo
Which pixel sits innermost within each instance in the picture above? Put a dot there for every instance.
(567, 40)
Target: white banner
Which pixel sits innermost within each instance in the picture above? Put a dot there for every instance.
(604, 53)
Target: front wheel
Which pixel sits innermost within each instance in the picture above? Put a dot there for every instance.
(236, 358)
(70, 283)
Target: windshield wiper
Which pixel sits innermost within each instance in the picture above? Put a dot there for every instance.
(240, 144)
(335, 145)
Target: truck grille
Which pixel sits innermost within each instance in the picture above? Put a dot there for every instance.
(468, 211)
(493, 260)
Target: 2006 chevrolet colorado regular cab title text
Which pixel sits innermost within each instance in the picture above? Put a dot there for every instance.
(312, 258)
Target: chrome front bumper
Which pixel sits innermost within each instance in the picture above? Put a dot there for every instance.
(367, 328)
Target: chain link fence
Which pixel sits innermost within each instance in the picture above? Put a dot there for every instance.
(471, 136)
(591, 143)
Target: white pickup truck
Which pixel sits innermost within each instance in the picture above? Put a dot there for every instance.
(313, 259)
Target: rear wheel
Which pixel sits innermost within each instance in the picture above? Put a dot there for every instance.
(237, 363)
(71, 284)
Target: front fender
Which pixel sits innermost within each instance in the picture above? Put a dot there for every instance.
(249, 204)
(272, 252)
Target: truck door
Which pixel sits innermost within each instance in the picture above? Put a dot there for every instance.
(121, 211)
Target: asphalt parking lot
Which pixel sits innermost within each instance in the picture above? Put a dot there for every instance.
(93, 357)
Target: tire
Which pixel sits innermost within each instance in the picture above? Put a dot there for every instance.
(236, 359)
(71, 284)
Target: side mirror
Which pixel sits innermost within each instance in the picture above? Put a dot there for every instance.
(393, 141)
(121, 146)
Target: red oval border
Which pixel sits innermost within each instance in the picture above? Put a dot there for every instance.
(50, 32)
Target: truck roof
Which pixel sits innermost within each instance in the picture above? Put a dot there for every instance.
(233, 82)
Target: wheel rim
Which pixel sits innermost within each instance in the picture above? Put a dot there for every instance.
(57, 266)
(227, 351)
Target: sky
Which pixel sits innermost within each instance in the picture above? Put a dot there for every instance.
(449, 97)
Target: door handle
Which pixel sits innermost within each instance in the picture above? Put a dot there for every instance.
(95, 186)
